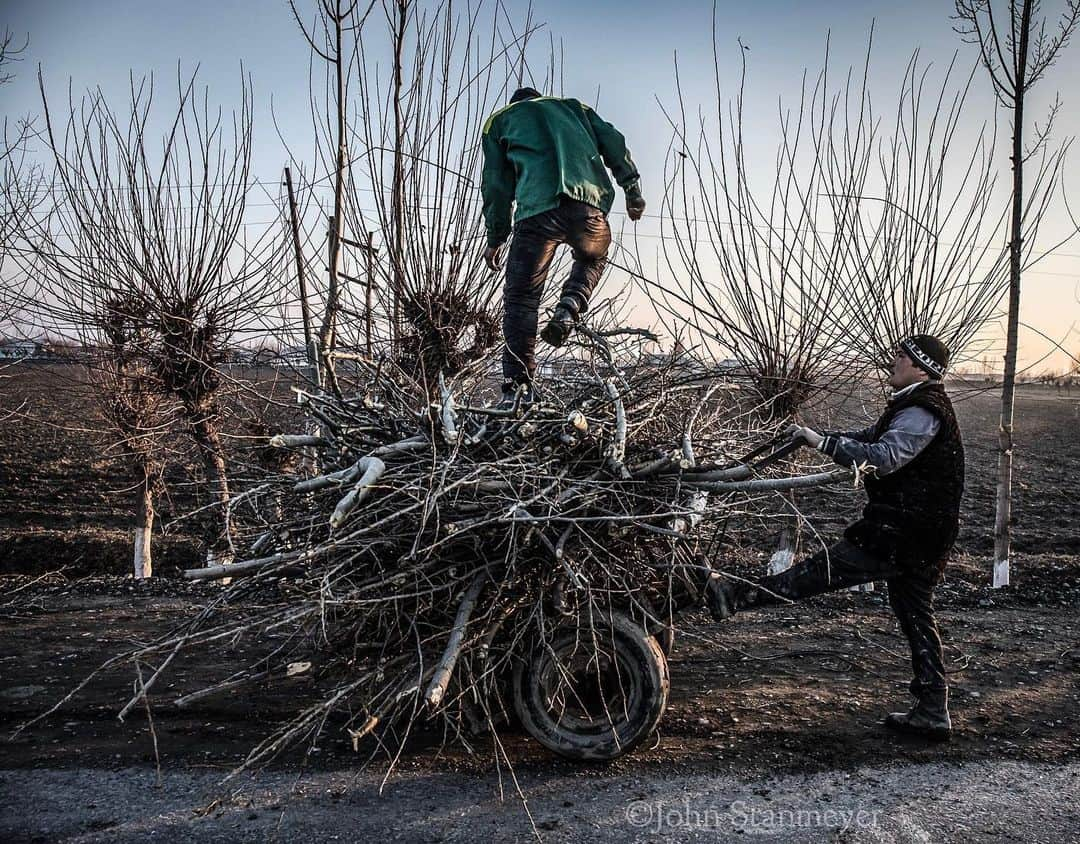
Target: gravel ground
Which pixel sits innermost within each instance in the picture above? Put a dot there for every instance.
(1004, 801)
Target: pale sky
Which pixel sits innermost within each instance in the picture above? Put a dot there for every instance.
(618, 54)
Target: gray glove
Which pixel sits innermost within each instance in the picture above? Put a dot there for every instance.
(635, 202)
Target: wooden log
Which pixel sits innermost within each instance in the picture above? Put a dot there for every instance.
(243, 567)
(411, 444)
(440, 680)
(338, 478)
(618, 445)
(733, 473)
(774, 484)
(295, 440)
(373, 469)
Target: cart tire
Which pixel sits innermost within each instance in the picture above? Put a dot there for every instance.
(589, 702)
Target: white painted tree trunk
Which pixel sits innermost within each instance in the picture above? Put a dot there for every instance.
(144, 528)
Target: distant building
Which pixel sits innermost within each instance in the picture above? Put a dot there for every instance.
(59, 351)
(265, 356)
(292, 356)
(734, 366)
(20, 349)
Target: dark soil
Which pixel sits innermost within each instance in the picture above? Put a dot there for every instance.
(798, 688)
(67, 495)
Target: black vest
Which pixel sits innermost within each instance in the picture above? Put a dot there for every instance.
(914, 512)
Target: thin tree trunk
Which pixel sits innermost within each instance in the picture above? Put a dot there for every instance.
(213, 455)
(144, 526)
(1003, 517)
(369, 280)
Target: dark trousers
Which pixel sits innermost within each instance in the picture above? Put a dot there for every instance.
(586, 231)
(911, 595)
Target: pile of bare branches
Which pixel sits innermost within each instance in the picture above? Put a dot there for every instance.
(428, 541)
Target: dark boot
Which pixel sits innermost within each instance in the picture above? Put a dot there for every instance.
(928, 718)
(516, 396)
(559, 328)
(725, 598)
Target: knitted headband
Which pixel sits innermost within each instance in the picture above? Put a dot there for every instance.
(928, 353)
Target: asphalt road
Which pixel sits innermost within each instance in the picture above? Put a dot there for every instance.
(975, 801)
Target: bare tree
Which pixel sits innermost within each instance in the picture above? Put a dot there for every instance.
(758, 273)
(133, 403)
(13, 168)
(333, 37)
(1016, 46)
(155, 239)
(452, 69)
(923, 240)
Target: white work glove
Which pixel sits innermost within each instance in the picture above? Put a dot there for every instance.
(808, 435)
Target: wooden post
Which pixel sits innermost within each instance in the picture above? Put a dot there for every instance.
(327, 339)
(368, 280)
(309, 339)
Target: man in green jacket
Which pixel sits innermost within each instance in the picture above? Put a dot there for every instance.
(545, 157)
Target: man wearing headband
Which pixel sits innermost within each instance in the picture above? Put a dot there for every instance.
(546, 159)
(913, 458)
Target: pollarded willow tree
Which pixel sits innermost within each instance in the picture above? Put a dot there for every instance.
(926, 245)
(867, 229)
(753, 271)
(398, 127)
(149, 236)
(136, 409)
(128, 394)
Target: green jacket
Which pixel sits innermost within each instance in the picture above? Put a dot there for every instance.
(536, 151)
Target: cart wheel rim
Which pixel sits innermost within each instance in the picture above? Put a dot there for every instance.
(595, 694)
(588, 693)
